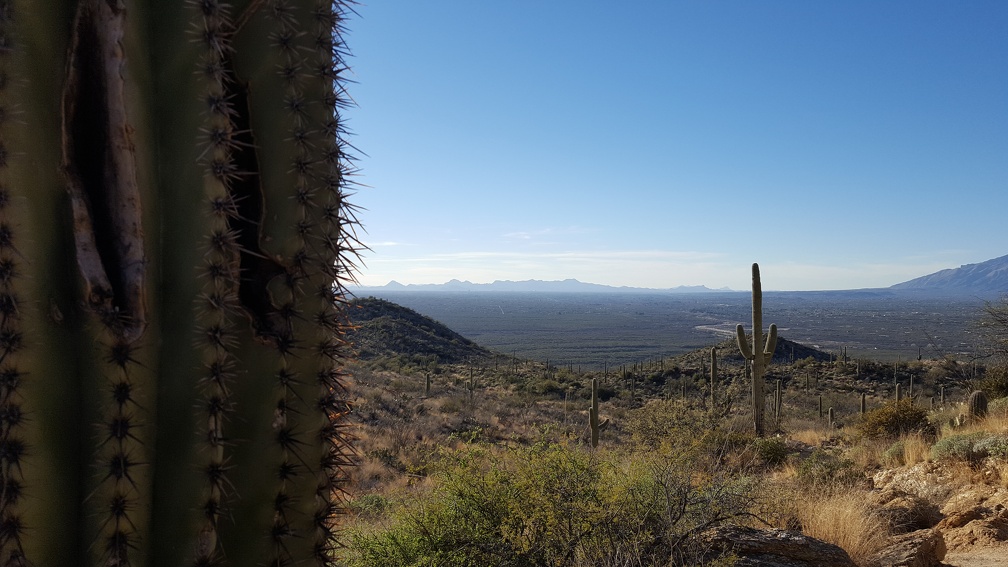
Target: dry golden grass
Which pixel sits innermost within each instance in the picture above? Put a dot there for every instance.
(840, 515)
(844, 519)
(813, 434)
(916, 449)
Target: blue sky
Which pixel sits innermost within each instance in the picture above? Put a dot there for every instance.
(663, 143)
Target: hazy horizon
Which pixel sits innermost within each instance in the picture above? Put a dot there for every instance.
(840, 145)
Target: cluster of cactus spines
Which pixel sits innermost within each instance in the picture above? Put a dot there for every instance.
(593, 415)
(976, 405)
(12, 438)
(223, 120)
(758, 360)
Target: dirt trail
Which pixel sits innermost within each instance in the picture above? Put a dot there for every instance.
(981, 557)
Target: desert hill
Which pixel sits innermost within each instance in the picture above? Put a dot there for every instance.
(384, 328)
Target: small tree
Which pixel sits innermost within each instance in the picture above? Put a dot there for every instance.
(994, 331)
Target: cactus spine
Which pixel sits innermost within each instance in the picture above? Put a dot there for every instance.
(758, 360)
(175, 242)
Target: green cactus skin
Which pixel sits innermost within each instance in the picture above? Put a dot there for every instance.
(898, 394)
(863, 403)
(829, 417)
(778, 400)
(593, 416)
(758, 360)
(976, 405)
(174, 244)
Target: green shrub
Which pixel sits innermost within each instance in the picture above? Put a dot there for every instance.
(959, 447)
(893, 456)
(971, 447)
(993, 446)
(994, 382)
(669, 421)
(894, 419)
(370, 505)
(827, 467)
(773, 451)
(998, 407)
(552, 505)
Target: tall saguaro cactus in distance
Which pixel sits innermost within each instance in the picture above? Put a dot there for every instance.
(758, 360)
(174, 244)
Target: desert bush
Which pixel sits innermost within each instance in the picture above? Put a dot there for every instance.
(370, 505)
(971, 447)
(906, 450)
(894, 419)
(553, 505)
(676, 421)
(998, 407)
(773, 451)
(893, 456)
(994, 382)
(827, 467)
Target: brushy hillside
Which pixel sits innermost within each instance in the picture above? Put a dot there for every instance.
(480, 458)
(386, 329)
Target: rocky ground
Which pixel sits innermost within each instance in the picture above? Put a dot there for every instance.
(940, 516)
(967, 507)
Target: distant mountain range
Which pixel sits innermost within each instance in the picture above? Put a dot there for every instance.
(564, 286)
(982, 278)
(985, 278)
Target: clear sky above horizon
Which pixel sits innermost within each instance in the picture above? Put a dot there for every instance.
(656, 143)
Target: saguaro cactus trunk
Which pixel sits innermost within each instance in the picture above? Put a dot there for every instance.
(758, 360)
(174, 244)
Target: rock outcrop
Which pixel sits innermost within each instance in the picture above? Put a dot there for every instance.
(774, 548)
(921, 548)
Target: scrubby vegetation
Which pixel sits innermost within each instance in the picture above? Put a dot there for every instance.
(490, 463)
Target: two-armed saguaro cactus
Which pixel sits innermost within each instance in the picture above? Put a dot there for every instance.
(174, 245)
(758, 360)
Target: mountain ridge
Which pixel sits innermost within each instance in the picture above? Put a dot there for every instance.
(569, 285)
(983, 278)
(990, 276)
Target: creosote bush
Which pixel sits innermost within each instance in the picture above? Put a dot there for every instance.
(554, 505)
(894, 419)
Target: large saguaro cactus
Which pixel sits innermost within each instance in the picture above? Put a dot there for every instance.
(174, 244)
(758, 360)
